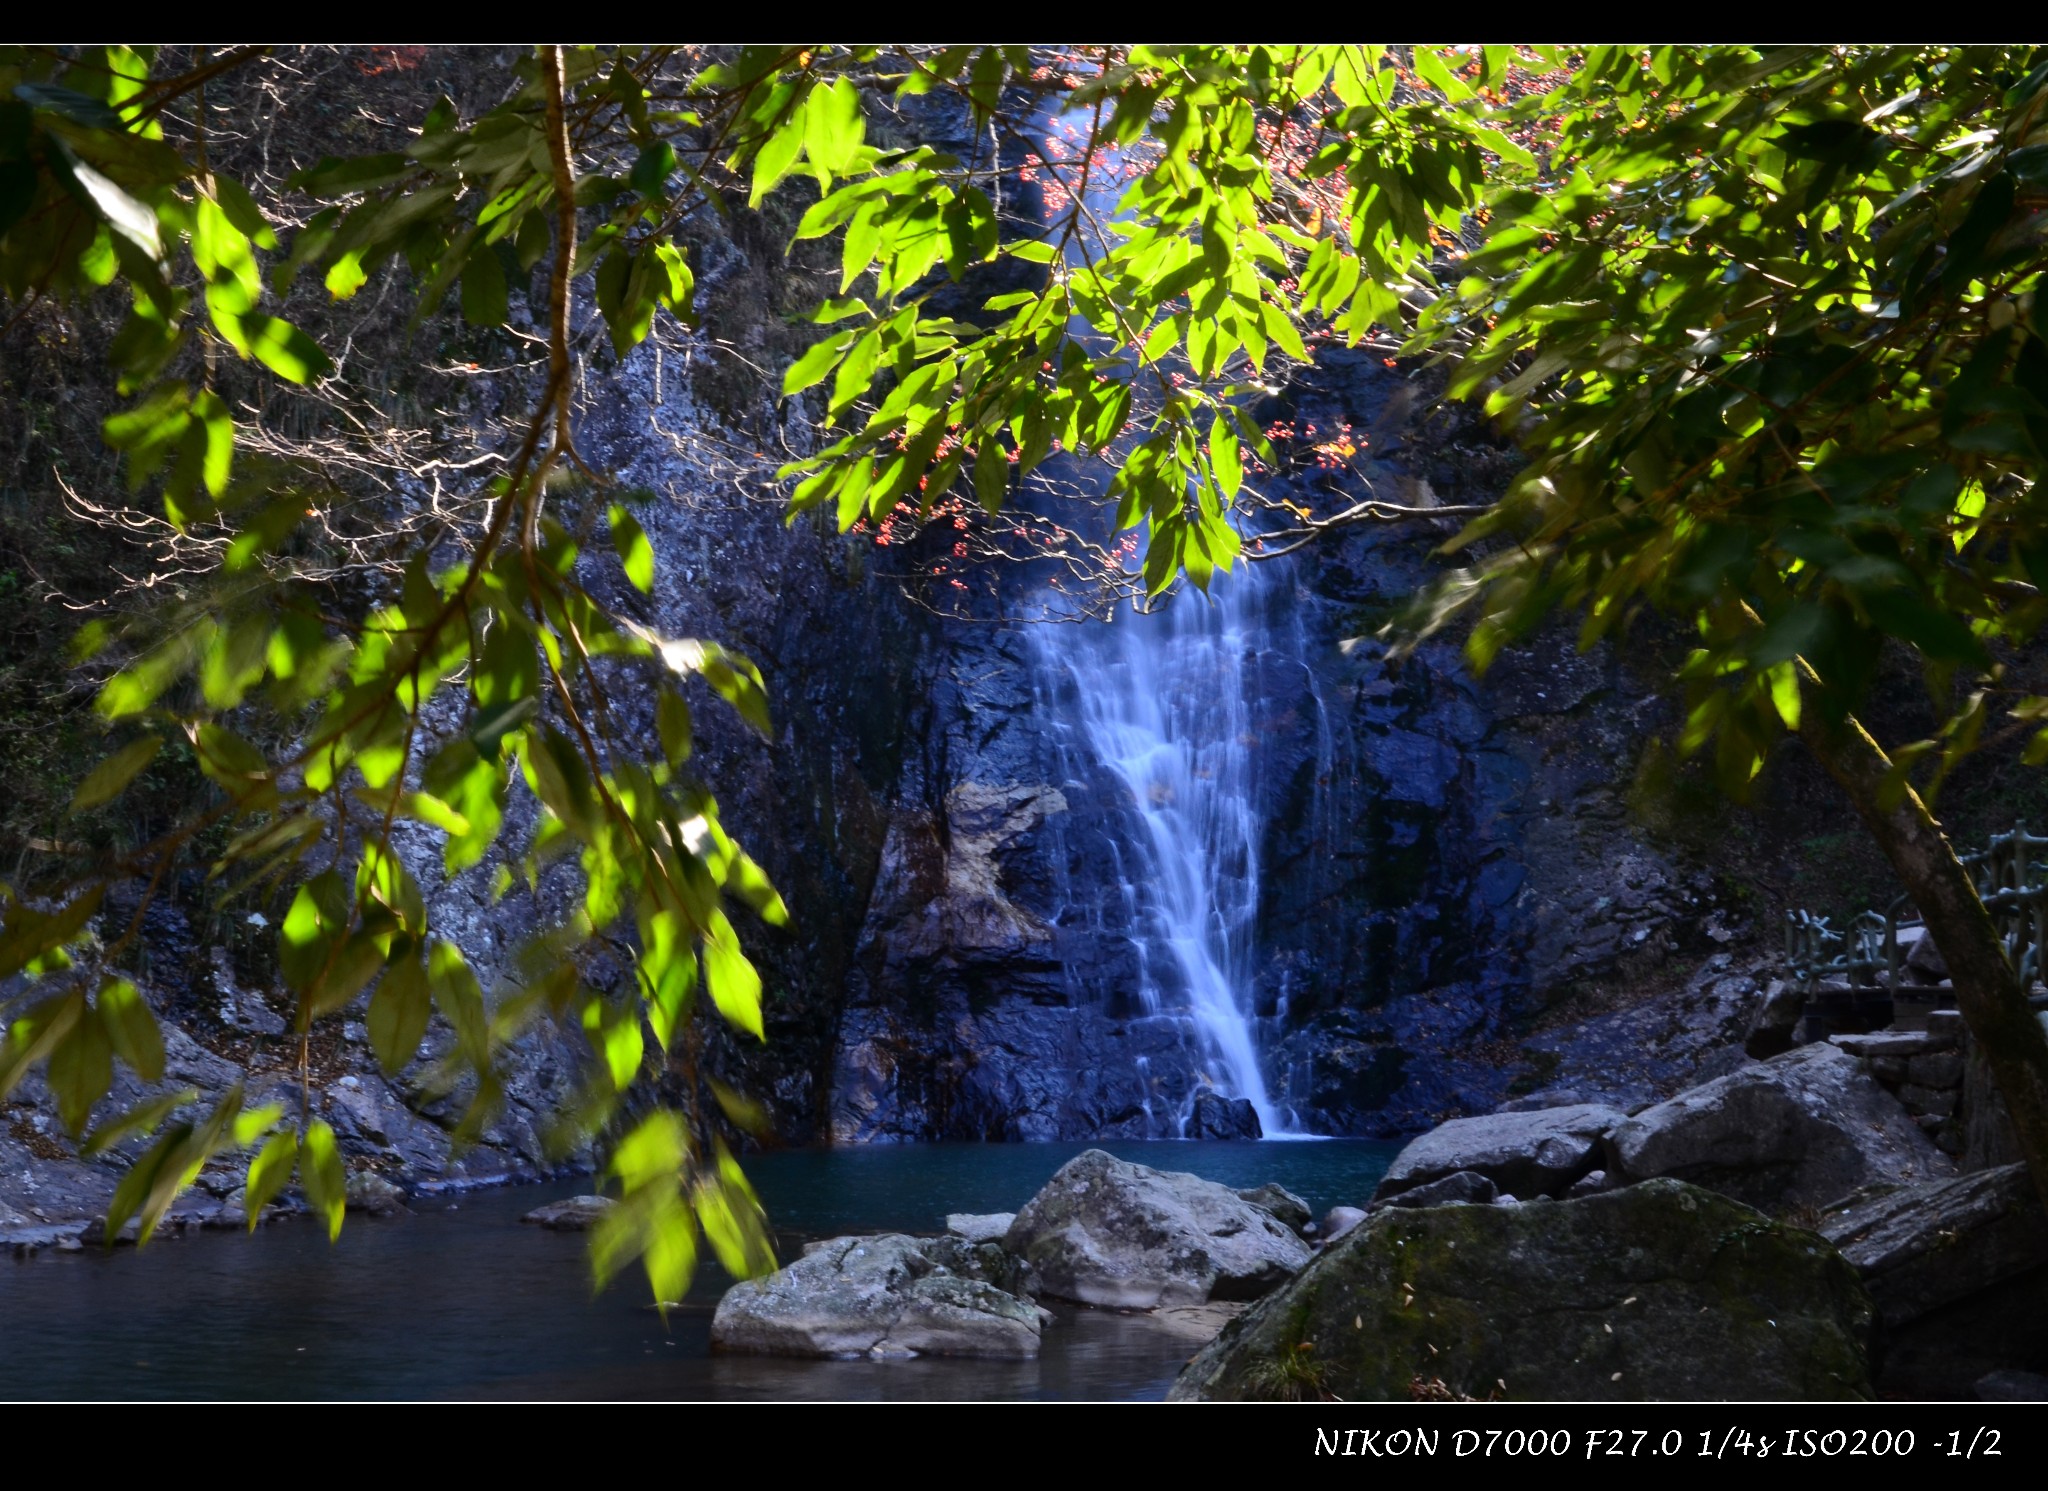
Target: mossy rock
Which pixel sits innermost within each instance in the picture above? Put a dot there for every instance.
(1658, 1291)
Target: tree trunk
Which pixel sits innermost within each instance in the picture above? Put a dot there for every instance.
(1988, 993)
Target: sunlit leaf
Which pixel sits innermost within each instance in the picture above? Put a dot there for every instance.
(321, 1174)
(735, 986)
(636, 554)
(269, 1173)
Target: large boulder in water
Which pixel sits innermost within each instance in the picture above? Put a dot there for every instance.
(1800, 1130)
(1524, 1154)
(882, 1296)
(1662, 1290)
(1217, 1117)
(1107, 1232)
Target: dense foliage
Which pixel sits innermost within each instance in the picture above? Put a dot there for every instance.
(1765, 323)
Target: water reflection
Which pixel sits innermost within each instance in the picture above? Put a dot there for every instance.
(459, 1300)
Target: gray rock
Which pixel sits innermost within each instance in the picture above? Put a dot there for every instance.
(1660, 1290)
(1921, 1247)
(1936, 1101)
(1947, 1023)
(873, 1296)
(1802, 1129)
(1282, 1203)
(1936, 1069)
(1775, 1026)
(31, 1238)
(1925, 959)
(980, 1227)
(1463, 1187)
(232, 1214)
(1528, 1153)
(1893, 1043)
(371, 1193)
(572, 1214)
(2012, 1387)
(1535, 1102)
(96, 1231)
(1590, 1185)
(1107, 1232)
(1338, 1221)
(1215, 1116)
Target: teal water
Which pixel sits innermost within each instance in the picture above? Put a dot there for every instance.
(911, 1187)
(459, 1300)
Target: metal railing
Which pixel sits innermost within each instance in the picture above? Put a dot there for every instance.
(2011, 877)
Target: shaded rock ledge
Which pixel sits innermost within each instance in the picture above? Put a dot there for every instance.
(1661, 1290)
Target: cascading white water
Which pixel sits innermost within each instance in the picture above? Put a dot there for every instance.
(1162, 703)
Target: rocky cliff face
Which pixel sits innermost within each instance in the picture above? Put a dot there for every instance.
(1454, 903)
(1444, 868)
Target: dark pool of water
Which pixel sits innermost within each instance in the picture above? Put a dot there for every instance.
(459, 1300)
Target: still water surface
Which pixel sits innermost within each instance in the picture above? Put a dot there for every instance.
(459, 1300)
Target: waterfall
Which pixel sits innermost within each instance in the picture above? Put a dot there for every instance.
(1160, 701)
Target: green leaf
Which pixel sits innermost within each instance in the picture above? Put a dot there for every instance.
(123, 213)
(506, 685)
(353, 966)
(398, 1014)
(36, 1034)
(614, 1031)
(460, 999)
(320, 1172)
(1225, 458)
(111, 777)
(818, 361)
(735, 986)
(255, 1123)
(269, 1173)
(652, 168)
(346, 276)
(991, 475)
(732, 677)
(283, 348)
(1784, 685)
(672, 723)
(145, 1177)
(137, 1120)
(318, 916)
(833, 127)
(776, 155)
(635, 552)
(81, 1069)
(132, 1028)
(219, 431)
(485, 299)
